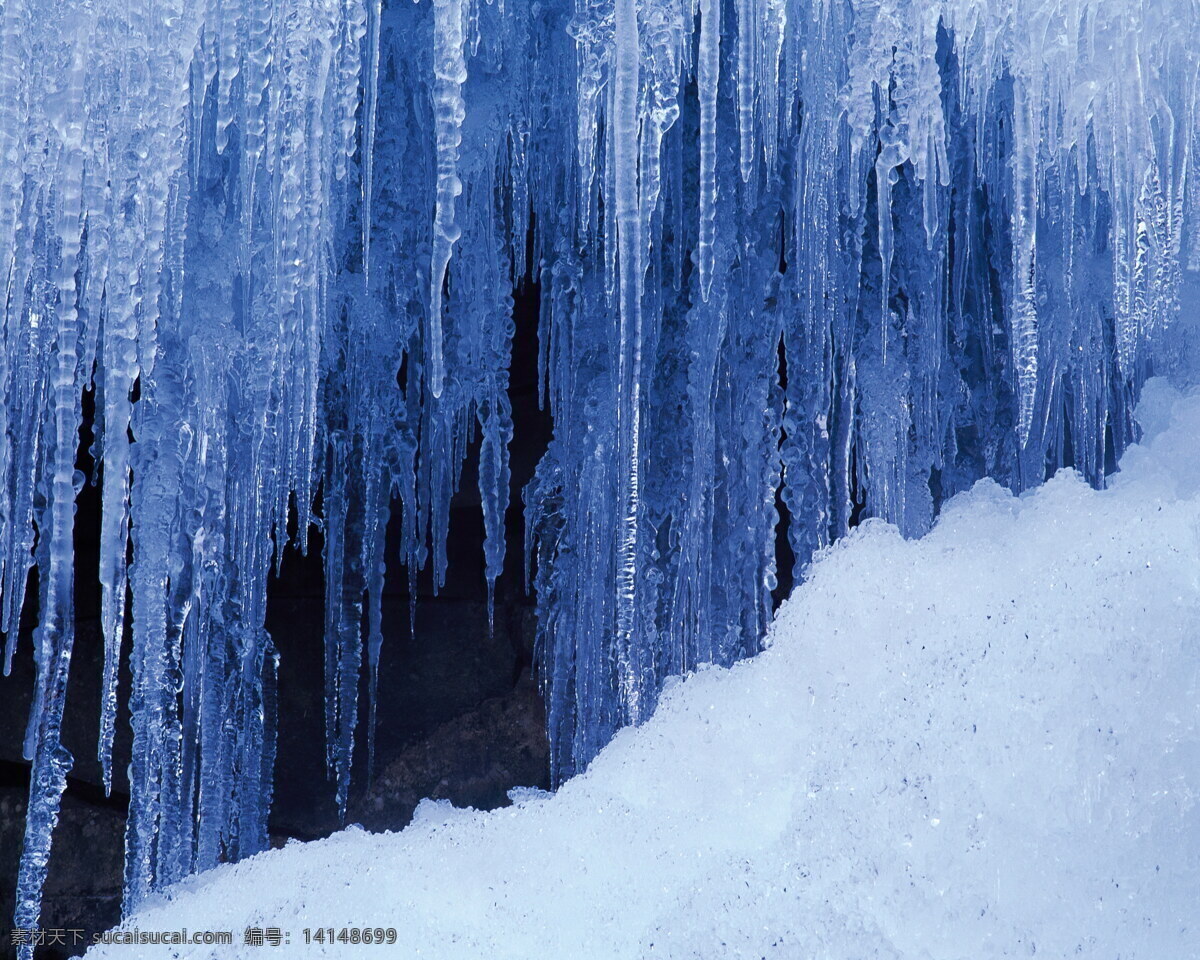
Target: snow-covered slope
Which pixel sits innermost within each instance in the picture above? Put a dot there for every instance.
(984, 743)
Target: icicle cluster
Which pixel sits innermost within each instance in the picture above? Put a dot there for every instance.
(853, 253)
(174, 176)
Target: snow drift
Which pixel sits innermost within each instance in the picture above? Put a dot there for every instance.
(982, 743)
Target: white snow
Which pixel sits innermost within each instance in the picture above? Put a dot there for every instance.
(983, 743)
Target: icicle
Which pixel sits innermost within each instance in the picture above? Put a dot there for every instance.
(56, 631)
(629, 372)
(120, 368)
(1024, 228)
(592, 30)
(661, 35)
(370, 108)
(450, 73)
(229, 65)
(747, 85)
(774, 21)
(707, 80)
(378, 495)
(13, 567)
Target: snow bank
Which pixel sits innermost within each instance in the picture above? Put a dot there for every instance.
(985, 743)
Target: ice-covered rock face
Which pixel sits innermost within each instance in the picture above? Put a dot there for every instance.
(291, 231)
(982, 743)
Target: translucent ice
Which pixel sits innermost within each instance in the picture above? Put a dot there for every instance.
(852, 256)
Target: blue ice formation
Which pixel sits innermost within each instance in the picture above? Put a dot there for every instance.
(856, 253)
